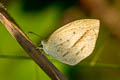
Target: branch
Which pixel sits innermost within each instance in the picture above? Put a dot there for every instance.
(28, 46)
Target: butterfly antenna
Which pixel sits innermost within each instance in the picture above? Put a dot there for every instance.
(30, 32)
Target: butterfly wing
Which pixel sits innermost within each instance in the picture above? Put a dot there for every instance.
(73, 42)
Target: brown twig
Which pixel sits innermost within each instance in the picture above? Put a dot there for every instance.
(28, 46)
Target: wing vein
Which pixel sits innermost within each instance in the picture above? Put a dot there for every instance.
(80, 39)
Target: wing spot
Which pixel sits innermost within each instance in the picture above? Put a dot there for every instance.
(60, 39)
(77, 53)
(68, 40)
(82, 48)
(74, 32)
(58, 50)
(65, 54)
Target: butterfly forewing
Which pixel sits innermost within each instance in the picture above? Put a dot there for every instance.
(73, 42)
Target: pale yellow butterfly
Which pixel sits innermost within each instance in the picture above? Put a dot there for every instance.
(73, 42)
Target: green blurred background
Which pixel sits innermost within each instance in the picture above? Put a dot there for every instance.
(44, 17)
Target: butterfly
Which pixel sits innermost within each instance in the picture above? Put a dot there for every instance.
(73, 42)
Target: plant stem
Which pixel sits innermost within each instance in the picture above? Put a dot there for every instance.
(28, 46)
